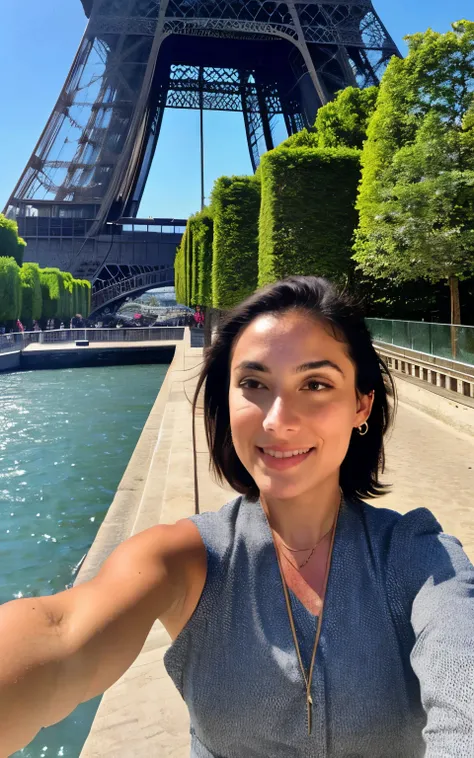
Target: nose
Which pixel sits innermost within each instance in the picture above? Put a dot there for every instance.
(280, 417)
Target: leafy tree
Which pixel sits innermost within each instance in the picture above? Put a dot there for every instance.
(303, 138)
(343, 122)
(416, 199)
(11, 245)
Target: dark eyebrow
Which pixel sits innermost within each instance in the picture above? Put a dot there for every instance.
(311, 366)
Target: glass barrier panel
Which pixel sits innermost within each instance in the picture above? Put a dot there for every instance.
(401, 333)
(441, 341)
(465, 344)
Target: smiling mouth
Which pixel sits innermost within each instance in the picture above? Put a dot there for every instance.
(282, 461)
(280, 455)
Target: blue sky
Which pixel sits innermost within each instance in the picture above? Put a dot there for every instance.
(37, 44)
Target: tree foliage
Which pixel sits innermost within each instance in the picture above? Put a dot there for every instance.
(343, 122)
(32, 302)
(10, 289)
(235, 209)
(11, 245)
(308, 215)
(416, 198)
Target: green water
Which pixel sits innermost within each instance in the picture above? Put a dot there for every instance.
(66, 437)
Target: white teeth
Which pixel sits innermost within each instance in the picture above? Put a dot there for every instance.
(289, 454)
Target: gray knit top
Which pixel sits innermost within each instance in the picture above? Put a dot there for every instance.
(394, 672)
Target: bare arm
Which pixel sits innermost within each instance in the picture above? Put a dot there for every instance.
(61, 650)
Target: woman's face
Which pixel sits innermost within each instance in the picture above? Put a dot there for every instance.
(292, 390)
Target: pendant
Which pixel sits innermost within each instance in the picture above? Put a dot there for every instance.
(309, 705)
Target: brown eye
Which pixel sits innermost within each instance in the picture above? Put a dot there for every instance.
(250, 384)
(315, 386)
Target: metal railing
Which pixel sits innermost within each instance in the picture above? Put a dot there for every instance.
(20, 340)
(439, 340)
(12, 342)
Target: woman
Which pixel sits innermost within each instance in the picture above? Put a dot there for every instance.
(305, 622)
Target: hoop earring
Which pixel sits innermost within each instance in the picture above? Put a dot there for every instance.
(363, 429)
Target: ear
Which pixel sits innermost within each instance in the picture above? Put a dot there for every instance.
(364, 407)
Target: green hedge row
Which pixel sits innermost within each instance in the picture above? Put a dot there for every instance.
(179, 275)
(235, 209)
(296, 216)
(307, 215)
(30, 293)
(201, 226)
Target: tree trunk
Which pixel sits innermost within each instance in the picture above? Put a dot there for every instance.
(455, 313)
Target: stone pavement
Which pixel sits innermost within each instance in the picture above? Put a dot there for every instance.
(429, 463)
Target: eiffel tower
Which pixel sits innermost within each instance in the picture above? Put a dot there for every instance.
(77, 200)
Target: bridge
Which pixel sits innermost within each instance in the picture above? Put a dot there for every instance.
(116, 293)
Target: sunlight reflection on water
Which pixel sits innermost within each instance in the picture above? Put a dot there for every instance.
(66, 437)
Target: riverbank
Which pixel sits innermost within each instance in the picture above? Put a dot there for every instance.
(86, 348)
(428, 464)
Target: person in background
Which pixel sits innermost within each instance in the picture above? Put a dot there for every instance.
(19, 326)
(77, 322)
(198, 317)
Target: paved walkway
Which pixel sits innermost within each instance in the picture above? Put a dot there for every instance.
(430, 464)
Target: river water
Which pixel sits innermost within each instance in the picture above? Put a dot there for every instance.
(66, 437)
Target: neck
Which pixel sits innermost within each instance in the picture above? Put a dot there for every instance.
(303, 521)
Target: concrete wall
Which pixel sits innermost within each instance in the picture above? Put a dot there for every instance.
(95, 356)
(10, 361)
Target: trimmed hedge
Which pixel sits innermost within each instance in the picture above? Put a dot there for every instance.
(85, 296)
(308, 215)
(188, 262)
(32, 301)
(52, 288)
(10, 289)
(201, 232)
(235, 209)
(179, 274)
(203, 238)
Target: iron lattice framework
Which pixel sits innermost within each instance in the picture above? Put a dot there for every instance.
(137, 57)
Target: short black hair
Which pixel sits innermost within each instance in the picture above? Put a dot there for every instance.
(320, 299)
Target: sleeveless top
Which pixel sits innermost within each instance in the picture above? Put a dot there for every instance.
(399, 600)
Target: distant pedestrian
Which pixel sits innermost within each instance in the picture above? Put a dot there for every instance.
(77, 322)
(19, 326)
(198, 317)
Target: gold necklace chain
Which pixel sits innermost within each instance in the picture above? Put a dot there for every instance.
(302, 550)
(308, 677)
